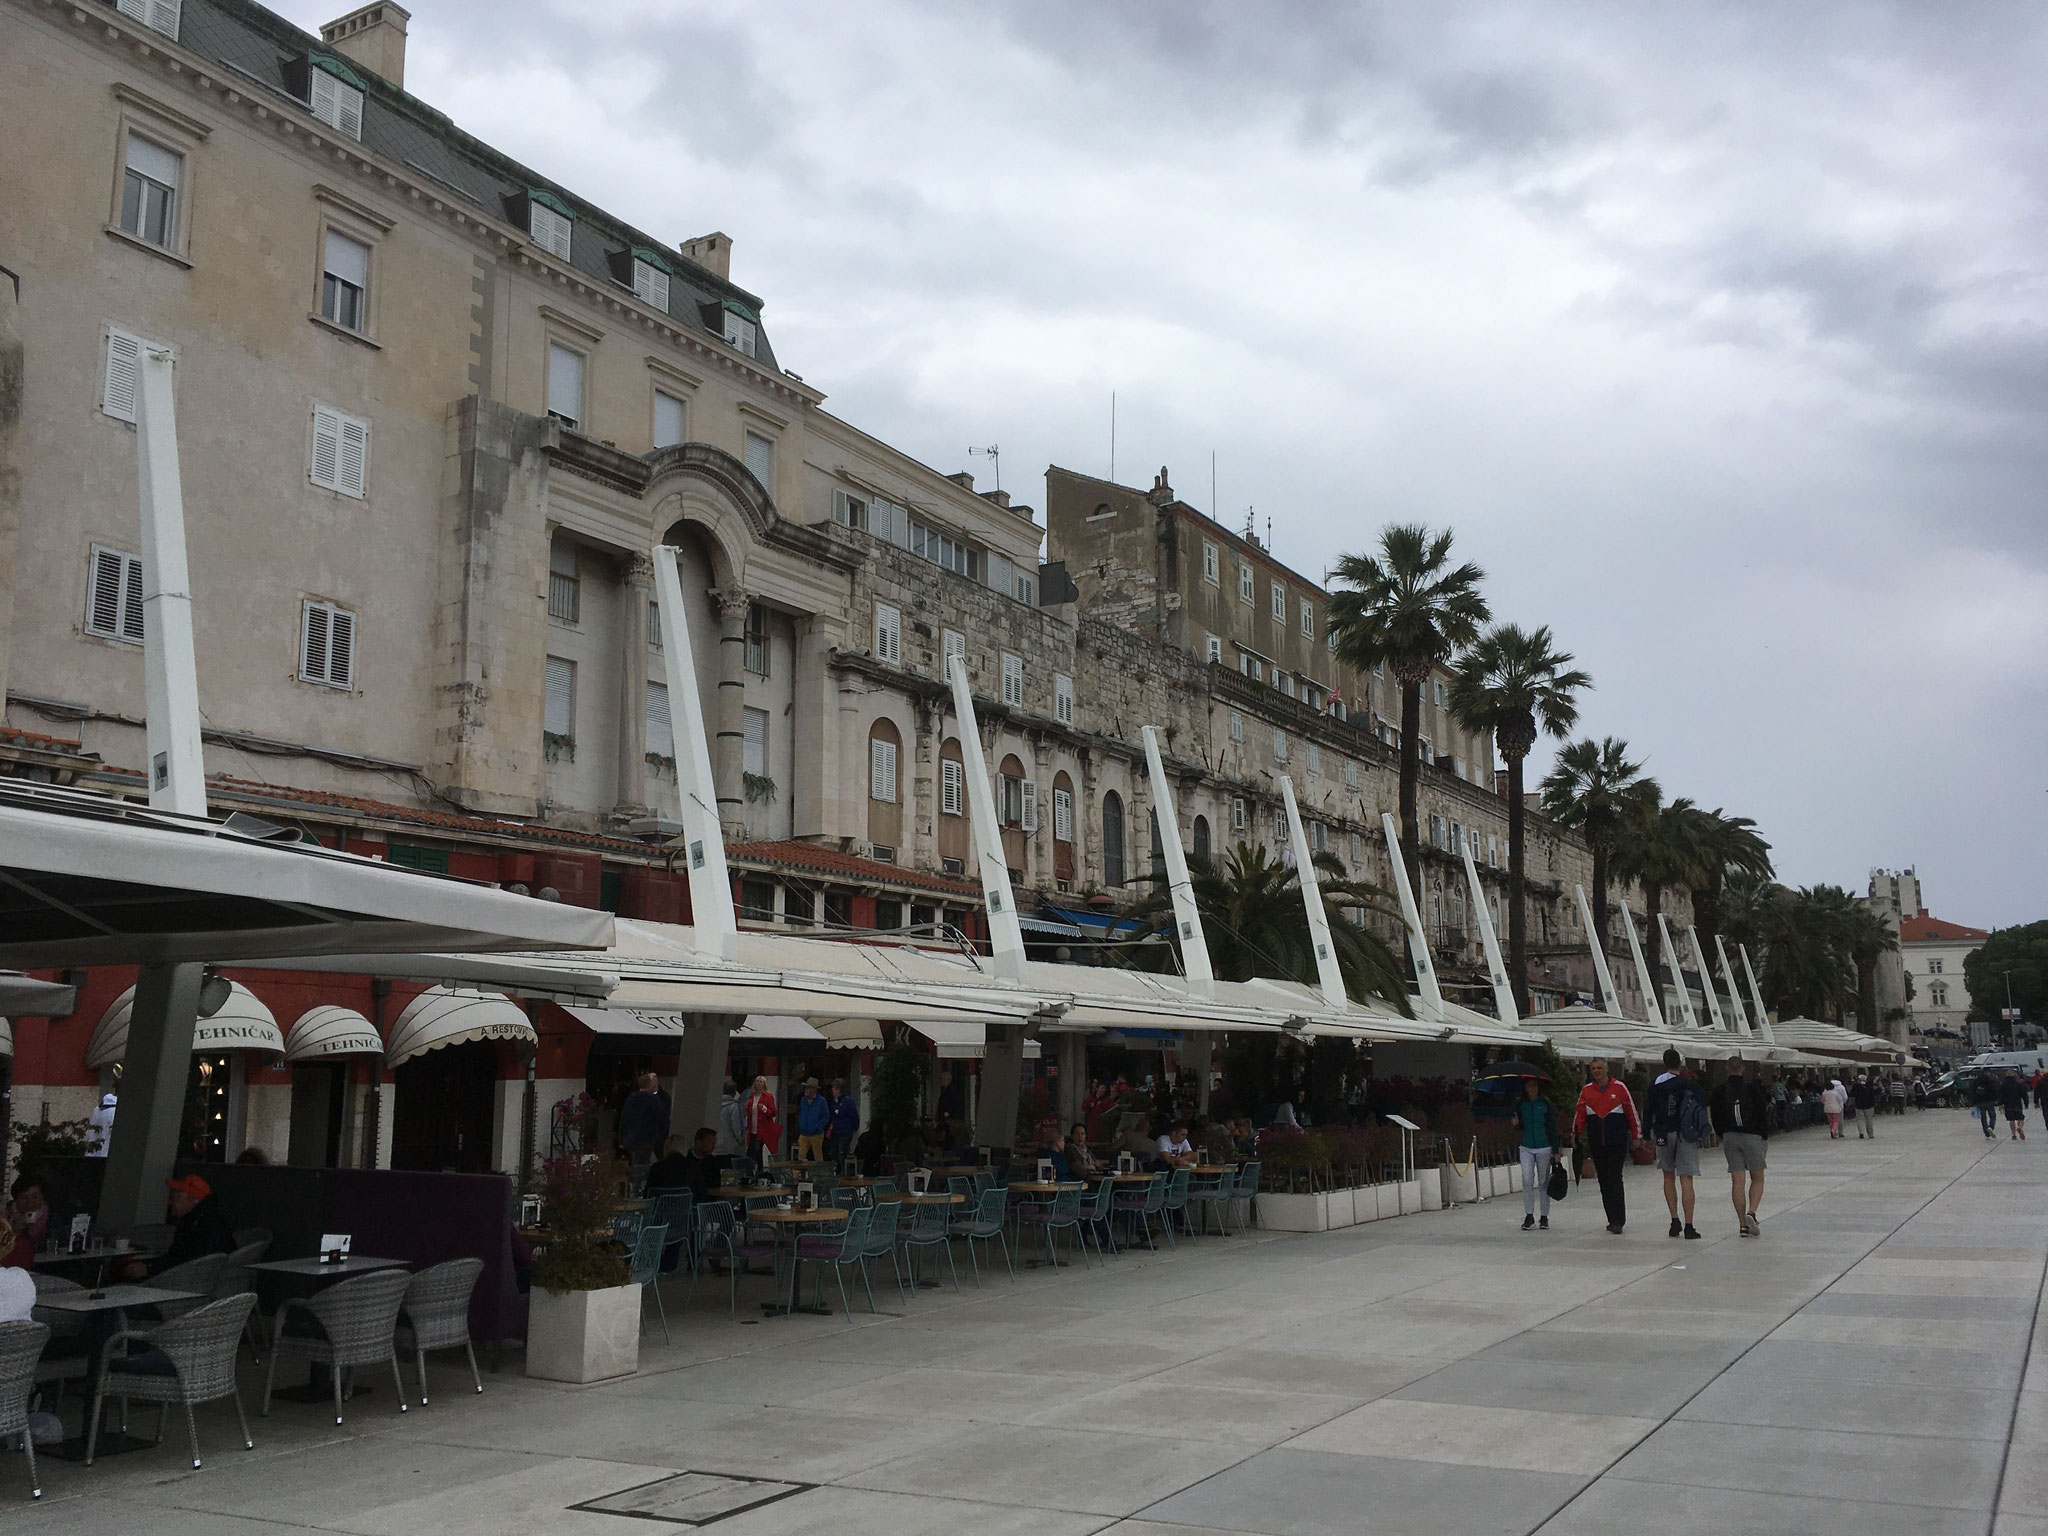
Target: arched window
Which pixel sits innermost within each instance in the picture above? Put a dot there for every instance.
(1202, 839)
(1112, 838)
(885, 799)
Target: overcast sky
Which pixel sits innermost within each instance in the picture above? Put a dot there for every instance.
(1716, 333)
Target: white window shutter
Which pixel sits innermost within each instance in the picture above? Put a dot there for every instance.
(882, 770)
(1029, 819)
(313, 643)
(114, 596)
(123, 375)
(951, 781)
(888, 633)
(559, 713)
(351, 471)
(661, 735)
(341, 647)
(755, 750)
(1062, 816)
(326, 447)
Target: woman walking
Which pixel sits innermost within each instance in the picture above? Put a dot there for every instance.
(1831, 1106)
(1539, 1144)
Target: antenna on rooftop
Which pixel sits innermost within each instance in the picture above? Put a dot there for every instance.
(1112, 437)
(994, 454)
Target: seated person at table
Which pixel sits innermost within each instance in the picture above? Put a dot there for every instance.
(201, 1229)
(945, 1142)
(696, 1170)
(28, 1213)
(17, 1290)
(1056, 1153)
(1137, 1140)
(867, 1151)
(1079, 1158)
(1174, 1148)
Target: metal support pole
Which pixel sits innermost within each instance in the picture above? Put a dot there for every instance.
(153, 1075)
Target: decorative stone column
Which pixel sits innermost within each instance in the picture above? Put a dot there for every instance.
(636, 579)
(729, 739)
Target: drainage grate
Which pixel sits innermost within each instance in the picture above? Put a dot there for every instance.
(693, 1498)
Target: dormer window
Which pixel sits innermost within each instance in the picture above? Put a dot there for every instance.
(741, 332)
(650, 284)
(162, 15)
(550, 223)
(336, 99)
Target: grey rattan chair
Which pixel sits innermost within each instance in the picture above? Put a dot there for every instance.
(201, 1274)
(20, 1346)
(236, 1278)
(190, 1360)
(435, 1315)
(349, 1324)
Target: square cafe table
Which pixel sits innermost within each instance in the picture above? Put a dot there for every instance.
(317, 1388)
(105, 1310)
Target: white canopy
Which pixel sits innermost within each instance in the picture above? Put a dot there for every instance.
(21, 995)
(6, 1038)
(1833, 1040)
(452, 1016)
(86, 879)
(330, 1031)
(672, 1024)
(243, 1024)
(1581, 1033)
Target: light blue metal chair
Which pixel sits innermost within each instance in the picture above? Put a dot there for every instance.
(838, 1249)
(984, 1221)
(1210, 1192)
(1095, 1219)
(1173, 1203)
(888, 1215)
(1063, 1214)
(1139, 1204)
(929, 1229)
(646, 1267)
(1247, 1191)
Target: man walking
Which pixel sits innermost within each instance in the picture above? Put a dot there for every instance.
(1864, 1096)
(2012, 1098)
(1606, 1120)
(1984, 1100)
(1743, 1124)
(1677, 1112)
(813, 1120)
(845, 1122)
(643, 1121)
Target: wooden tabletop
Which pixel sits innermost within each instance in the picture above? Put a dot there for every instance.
(1131, 1178)
(935, 1198)
(1214, 1168)
(1033, 1187)
(957, 1170)
(859, 1181)
(795, 1218)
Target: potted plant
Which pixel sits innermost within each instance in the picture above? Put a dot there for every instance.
(583, 1322)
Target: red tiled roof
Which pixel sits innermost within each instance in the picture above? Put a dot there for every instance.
(14, 736)
(818, 859)
(1922, 926)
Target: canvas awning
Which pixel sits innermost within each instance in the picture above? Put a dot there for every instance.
(1813, 1035)
(671, 1024)
(242, 1024)
(86, 879)
(453, 1016)
(516, 975)
(329, 1032)
(25, 996)
(6, 1037)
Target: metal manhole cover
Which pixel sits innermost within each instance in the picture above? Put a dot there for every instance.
(693, 1498)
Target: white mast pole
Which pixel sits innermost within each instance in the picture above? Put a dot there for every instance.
(177, 764)
(1608, 1000)
(1685, 1013)
(1756, 996)
(713, 924)
(1194, 945)
(1496, 968)
(1734, 993)
(1418, 942)
(1699, 959)
(1005, 935)
(1328, 975)
(1651, 1010)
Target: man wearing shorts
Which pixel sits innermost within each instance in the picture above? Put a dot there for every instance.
(1676, 1112)
(1742, 1121)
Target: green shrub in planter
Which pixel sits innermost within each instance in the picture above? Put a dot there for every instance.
(582, 1195)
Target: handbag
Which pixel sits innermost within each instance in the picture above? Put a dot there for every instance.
(1587, 1170)
(1560, 1181)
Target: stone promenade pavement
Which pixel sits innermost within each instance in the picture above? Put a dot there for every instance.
(1875, 1364)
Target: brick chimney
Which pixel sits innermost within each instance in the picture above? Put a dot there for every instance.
(712, 252)
(373, 37)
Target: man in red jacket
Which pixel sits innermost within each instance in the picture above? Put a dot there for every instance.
(1606, 1121)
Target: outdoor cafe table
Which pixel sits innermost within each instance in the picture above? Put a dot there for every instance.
(1038, 1187)
(317, 1388)
(103, 1254)
(933, 1197)
(106, 1311)
(795, 1220)
(956, 1171)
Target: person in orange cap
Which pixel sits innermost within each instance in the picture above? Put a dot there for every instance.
(201, 1228)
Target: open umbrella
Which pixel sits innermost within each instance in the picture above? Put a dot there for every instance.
(1506, 1076)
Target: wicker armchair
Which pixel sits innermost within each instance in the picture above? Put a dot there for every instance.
(21, 1344)
(190, 1360)
(236, 1278)
(351, 1323)
(435, 1315)
(201, 1275)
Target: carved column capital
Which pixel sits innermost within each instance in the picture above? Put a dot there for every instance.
(733, 602)
(636, 570)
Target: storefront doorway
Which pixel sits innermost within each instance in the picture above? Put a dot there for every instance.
(209, 1121)
(319, 1109)
(442, 1119)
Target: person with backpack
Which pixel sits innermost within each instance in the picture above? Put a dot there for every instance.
(1742, 1119)
(1539, 1142)
(1605, 1120)
(1677, 1113)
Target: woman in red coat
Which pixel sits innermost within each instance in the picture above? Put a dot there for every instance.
(1606, 1121)
(764, 1122)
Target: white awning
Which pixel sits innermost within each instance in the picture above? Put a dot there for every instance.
(24, 996)
(851, 1034)
(672, 1024)
(775, 1026)
(243, 1024)
(513, 974)
(965, 1032)
(450, 1016)
(6, 1038)
(330, 1031)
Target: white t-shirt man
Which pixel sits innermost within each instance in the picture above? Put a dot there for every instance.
(102, 1121)
(17, 1295)
(1168, 1147)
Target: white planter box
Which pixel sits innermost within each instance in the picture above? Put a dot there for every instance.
(1430, 1186)
(1409, 1194)
(584, 1335)
(1383, 1199)
(1365, 1202)
(1462, 1188)
(1294, 1213)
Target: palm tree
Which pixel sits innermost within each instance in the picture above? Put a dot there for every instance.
(1809, 967)
(1655, 846)
(1407, 607)
(1869, 937)
(1513, 683)
(1256, 925)
(1591, 788)
(1725, 845)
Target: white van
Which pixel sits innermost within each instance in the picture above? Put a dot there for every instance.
(2028, 1061)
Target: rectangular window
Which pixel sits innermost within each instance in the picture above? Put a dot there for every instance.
(551, 231)
(565, 586)
(661, 731)
(1000, 572)
(888, 634)
(1425, 751)
(882, 770)
(327, 645)
(755, 759)
(1457, 837)
(1062, 816)
(1025, 589)
(1492, 850)
(951, 643)
(952, 786)
(1439, 693)
(1063, 698)
(1280, 837)
(757, 639)
(121, 381)
(345, 282)
(1284, 681)
(1354, 848)
(1013, 680)
(1350, 775)
(798, 905)
(565, 384)
(341, 452)
(848, 510)
(1279, 602)
(1280, 745)
(1934, 967)
(1028, 817)
(742, 333)
(1214, 650)
(1237, 813)
(336, 103)
(839, 909)
(1436, 831)
(653, 625)
(1315, 758)
(1308, 618)
(1252, 667)
(113, 604)
(761, 460)
(161, 15)
(1319, 834)
(1244, 583)
(1212, 565)
(650, 284)
(149, 192)
(668, 419)
(1236, 726)
(559, 715)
